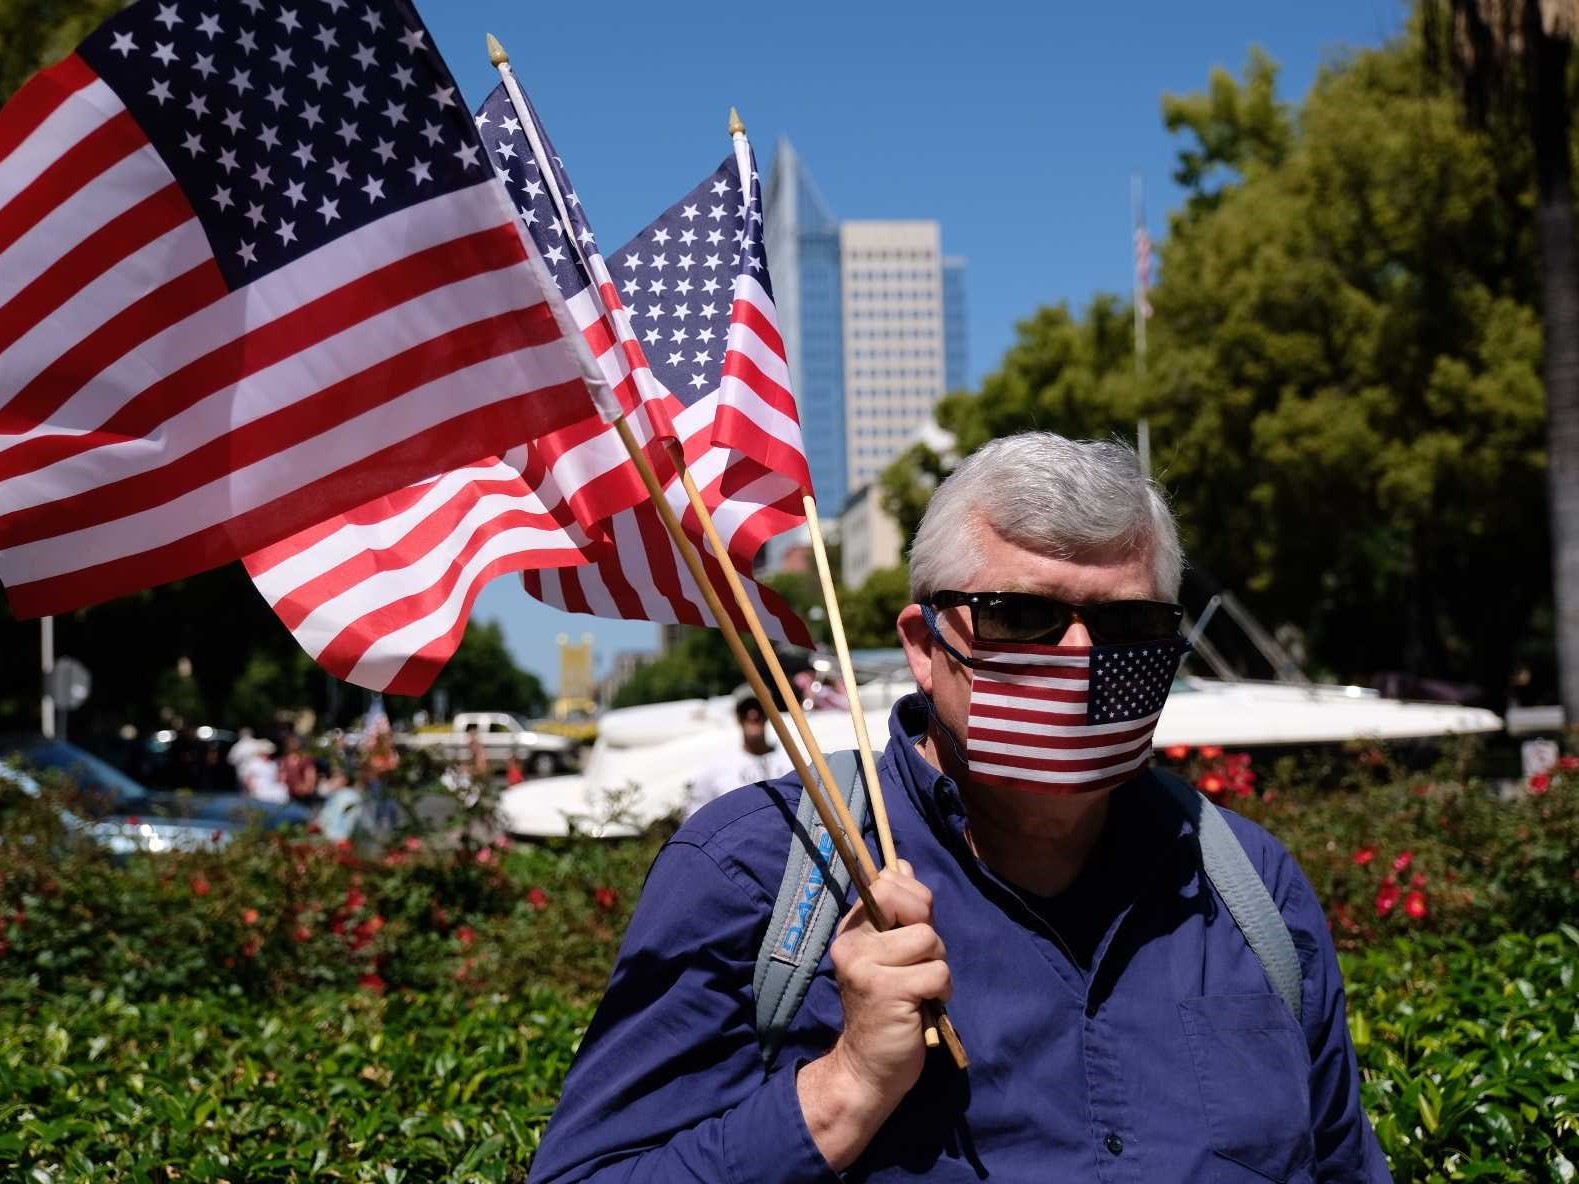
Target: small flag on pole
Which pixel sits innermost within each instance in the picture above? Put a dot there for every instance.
(255, 269)
(1142, 254)
(701, 305)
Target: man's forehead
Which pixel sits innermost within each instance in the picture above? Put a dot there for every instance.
(1115, 574)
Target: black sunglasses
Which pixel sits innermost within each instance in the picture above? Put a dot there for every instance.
(1027, 617)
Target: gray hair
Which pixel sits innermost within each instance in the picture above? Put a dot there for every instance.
(1057, 497)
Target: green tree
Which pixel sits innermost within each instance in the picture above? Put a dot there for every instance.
(696, 667)
(1514, 60)
(1238, 129)
(907, 486)
(871, 609)
(1344, 378)
(37, 33)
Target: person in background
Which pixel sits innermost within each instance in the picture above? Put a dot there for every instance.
(476, 754)
(299, 770)
(757, 759)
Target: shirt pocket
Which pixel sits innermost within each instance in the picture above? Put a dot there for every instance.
(1254, 1072)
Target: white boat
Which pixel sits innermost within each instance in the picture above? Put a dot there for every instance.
(644, 756)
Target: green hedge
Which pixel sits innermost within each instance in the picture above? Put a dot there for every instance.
(290, 1009)
(1470, 1055)
(340, 1086)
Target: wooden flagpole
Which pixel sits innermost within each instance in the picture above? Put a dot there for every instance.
(841, 647)
(831, 808)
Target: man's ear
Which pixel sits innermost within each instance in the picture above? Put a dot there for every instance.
(918, 642)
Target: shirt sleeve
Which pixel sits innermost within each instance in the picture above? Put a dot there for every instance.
(669, 1083)
(1346, 1146)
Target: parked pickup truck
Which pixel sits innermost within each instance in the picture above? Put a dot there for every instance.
(503, 735)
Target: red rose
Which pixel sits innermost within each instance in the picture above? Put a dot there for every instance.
(373, 982)
(537, 898)
(251, 946)
(1364, 855)
(1540, 783)
(1419, 880)
(1386, 898)
(303, 933)
(607, 898)
(1415, 905)
(1211, 752)
(200, 886)
(249, 917)
(1568, 763)
(133, 820)
(1176, 752)
(1405, 858)
(413, 843)
(466, 935)
(485, 855)
(1212, 784)
(354, 899)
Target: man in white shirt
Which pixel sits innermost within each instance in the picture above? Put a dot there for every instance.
(757, 759)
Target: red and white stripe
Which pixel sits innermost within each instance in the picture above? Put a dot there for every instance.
(1028, 723)
(154, 423)
(743, 449)
(380, 597)
(1143, 270)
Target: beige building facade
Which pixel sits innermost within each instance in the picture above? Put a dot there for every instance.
(895, 352)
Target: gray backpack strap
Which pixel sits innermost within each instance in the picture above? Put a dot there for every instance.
(1243, 891)
(805, 913)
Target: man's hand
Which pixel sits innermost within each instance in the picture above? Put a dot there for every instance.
(883, 978)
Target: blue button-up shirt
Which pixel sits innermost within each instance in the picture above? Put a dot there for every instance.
(1151, 1049)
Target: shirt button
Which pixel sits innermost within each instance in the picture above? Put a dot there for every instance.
(1114, 1144)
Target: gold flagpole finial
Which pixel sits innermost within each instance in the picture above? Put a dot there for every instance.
(496, 52)
(737, 126)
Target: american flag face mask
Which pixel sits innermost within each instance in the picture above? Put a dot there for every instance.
(1064, 719)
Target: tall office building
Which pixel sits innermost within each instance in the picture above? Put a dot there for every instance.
(893, 338)
(955, 333)
(873, 318)
(803, 254)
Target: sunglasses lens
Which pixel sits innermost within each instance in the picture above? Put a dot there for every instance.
(1132, 620)
(1020, 618)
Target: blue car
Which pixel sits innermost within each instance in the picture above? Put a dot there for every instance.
(123, 816)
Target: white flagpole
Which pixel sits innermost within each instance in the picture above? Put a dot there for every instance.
(1137, 202)
(46, 707)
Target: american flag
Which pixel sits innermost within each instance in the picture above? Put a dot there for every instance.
(380, 596)
(1142, 267)
(1066, 719)
(255, 268)
(701, 302)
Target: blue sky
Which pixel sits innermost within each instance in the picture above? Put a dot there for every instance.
(1016, 126)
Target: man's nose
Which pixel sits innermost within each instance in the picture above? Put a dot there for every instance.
(1076, 634)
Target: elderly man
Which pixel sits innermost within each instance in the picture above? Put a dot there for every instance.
(1120, 1025)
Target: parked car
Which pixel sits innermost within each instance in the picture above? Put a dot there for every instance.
(125, 816)
(503, 735)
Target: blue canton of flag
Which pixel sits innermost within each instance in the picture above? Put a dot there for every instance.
(288, 127)
(1130, 682)
(677, 277)
(513, 160)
